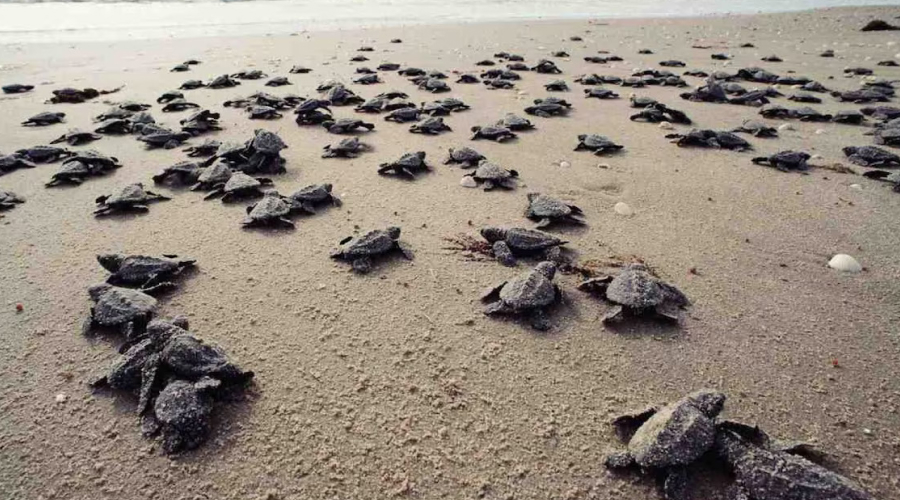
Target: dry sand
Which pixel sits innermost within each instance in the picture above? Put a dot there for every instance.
(394, 383)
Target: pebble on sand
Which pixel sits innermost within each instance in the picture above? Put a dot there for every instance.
(623, 208)
(468, 182)
(666, 126)
(856, 186)
(564, 164)
(845, 263)
(61, 398)
(785, 126)
(820, 131)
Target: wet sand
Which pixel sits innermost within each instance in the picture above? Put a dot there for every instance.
(394, 383)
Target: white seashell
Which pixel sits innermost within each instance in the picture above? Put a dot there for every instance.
(856, 186)
(816, 157)
(785, 126)
(845, 263)
(623, 208)
(603, 165)
(820, 131)
(61, 398)
(565, 164)
(665, 126)
(468, 182)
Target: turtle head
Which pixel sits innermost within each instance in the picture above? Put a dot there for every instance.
(476, 128)
(328, 123)
(547, 268)
(393, 232)
(327, 187)
(850, 150)
(111, 261)
(97, 291)
(421, 155)
(493, 234)
(532, 196)
(709, 402)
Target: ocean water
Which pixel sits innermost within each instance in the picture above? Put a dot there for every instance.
(26, 21)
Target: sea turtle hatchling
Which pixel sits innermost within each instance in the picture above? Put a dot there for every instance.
(849, 117)
(545, 66)
(126, 309)
(434, 85)
(44, 154)
(9, 163)
(129, 198)
(278, 81)
(361, 250)
(547, 109)
(509, 243)
(757, 128)
(196, 84)
(887, 136)
(115, 126)
(547, 210)
(600, 93)
(556, 86)
(299, 70)
(404, 115)
(762, 473)
(871, 156)
(238, 187)
(367, 79)
(271, 211)
(467, 78)
(208, 147)
(785, 161)
(76, 137)
(493, 133)
(710, 139)
(346, 125)
(490, 175)
(222, 82)
(515, 123)
(163, 138)
(498, 83)
(408, 165)
(307, 199)
(252, 74)
(17, 88)
(169, 96)
(431, 126)
(9, 200)
(183, 173)
(530, 293)
(597, 144)
(350, 147)
(257, 112)
(464, 156)
(148, 274)
(664, 441)
(179, 105)
(44, 119)
(636, 291)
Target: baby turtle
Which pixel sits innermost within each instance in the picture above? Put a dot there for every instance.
(600, 93)
(388, 66)
(350, 147)
(757, 129)
(9, 200)
(207, 148)
(239, 186)
(547, 109)
(411, 71)
(76, 137)
(115, 126)
(871, 156)
(591, 79)
(183, 173)
(148, 274)
(403, 115)
(179, 105)
(17, 88)
(257, 112)
(374, 105)
(545, 66)
(434, 85)
(803, 97)
(431, 126)
(665, 441)
(222, 82)
(529, 293)
(770, 474)
(636, 291)
(491, 175)
(498, 83)
(408, 165)
(44, 154)
(271, 211)
(301, 70)
(597, 144)
(278, 81)
(131, 197)
(361, 250)
(515, 123)
(169, 96)
(253, 74)
(44, 119)
(785, 161)
(887, 137)
(547, 210)
(308, 198)
(672, 63)
(464, 156)
(196, 84)
(509, 243)
(346, 125)
(182, 412)
(342, 96)
(493, 133)
(166, 139)
(9, 163)
(849, 117)
(556, 86)
(710, 139)
(467, 78)
(126, 309)
(367, 79)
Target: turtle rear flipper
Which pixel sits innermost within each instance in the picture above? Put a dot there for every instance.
(668, 311)
(362, 265)
(215, 193)
(675, 484)
(542, 223)
(492, 294)
(488, 185)
(160, 287)
(613, 314)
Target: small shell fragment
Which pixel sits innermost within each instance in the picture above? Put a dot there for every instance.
(845, 263)
(468, 182)
(623, 208)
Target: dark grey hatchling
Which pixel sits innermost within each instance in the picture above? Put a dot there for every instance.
(132, 197)
(9, 200)
(125, 309)
(509, 243)
(183, 173)
(346, 125)
(757, 128)
(635, 291)
(530, 294)
(350, 147)
(547, 210)
(45, 154)
(490, 176)
(597, 144)
(664, 441)
(208, 147)
(271, 211)
(361, 250)
(785, 161)
(239, 186)
(44, 119)
(465, 157)
(515, 123)
(148, 274)
(871, 156)
(310, 197)
(76, 137)
(408, 165)
(493, 133)
(431, 126)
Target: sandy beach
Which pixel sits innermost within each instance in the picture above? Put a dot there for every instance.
(394, 384)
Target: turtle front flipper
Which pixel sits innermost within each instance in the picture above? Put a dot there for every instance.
(668, 311)
(362, 265)
(149, 376)
(492, 294)
(626, 425)
(544, 222)
(539, 320)
(488, 185)
(159, 287)
(614, 314)
(619, 461)
(497, 307)
(503, 254)
(218, 191)
(406, 250)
